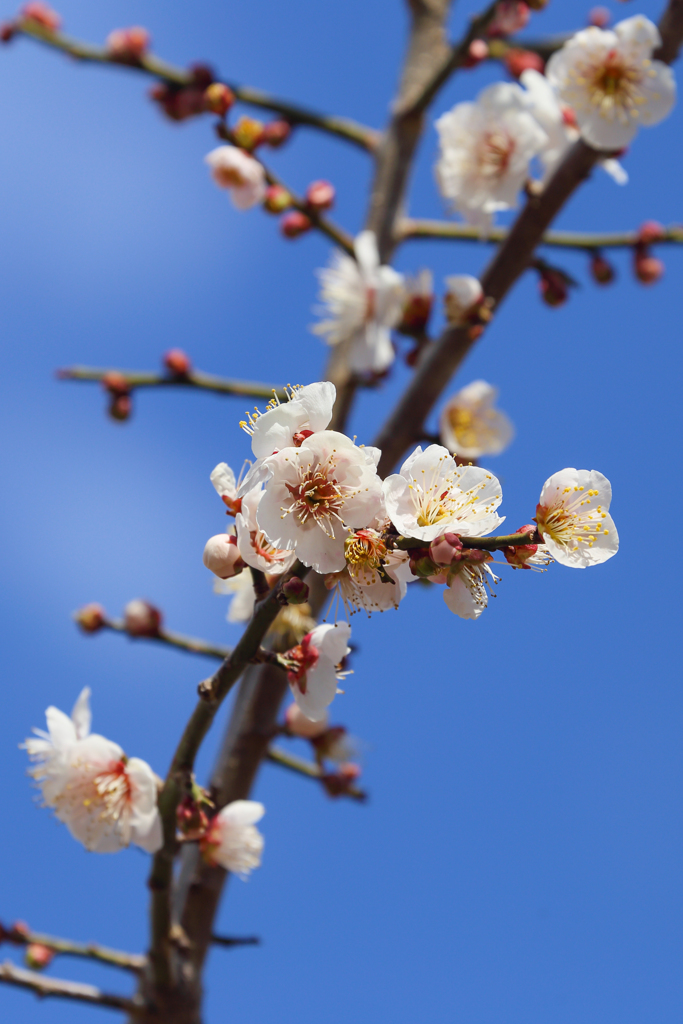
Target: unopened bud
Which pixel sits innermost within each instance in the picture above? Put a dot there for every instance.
(476, 556)
(140, 618)
(510, 17)
(90, 618)
(446, 549)
(600, 17)
(38, 956)
(463, 297)
(115, 383)
(191, 818)
(520, 554)
(340, 782)
(42, 15)
(553, 287)
(421, 564)
(218, 99)
(601, 269)
(416, 313)
(647, 268)
(222, 557)
(295, 590)
(275, 133)
(477, 52)
(320, 195)
(177, 362)
(277, 199)
(651, 231)
(295, 223)
(517, 61)
(7, 31)
(247, 132)
(128, 44)
(298, 724)
(20, 929)
(120, 408)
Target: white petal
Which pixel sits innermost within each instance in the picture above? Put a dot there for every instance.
(81, 715)
(332, 640)
(318, 401)
(242, 812)
(365, 248)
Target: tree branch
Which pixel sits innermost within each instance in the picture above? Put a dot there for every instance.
(309, 768)
(671, 31)
(194, 379)
(410, 228)
(65, 947)
(44, 986)
(170, 639)
(511, 540)
(342, 127)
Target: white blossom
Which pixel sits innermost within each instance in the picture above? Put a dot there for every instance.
(316, 494)
(240, 173)
(223, 479)
(470, 426)
(299, 725)
(611, 82)
(463, 293)
(232, 841)
(433, 495)
(375, 578)
(105, 799)
(485, 151)
(466, 594)
(285, 424)
(314, 668)
(241, 589)
(253, 545)
(363, 302)
(573, 518)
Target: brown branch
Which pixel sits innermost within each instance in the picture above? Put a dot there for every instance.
(342, 127)
(230, 941)
(43, 987)
(308, 768)
(510, 540)
(671, 31)
(65, 947)
(409, 229)
(170, 639)
(194, 379)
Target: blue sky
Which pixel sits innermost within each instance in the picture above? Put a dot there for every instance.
(519, 859)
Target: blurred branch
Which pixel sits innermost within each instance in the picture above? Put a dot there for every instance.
(344, 128)
(229, 940)
(43, 986)
(671, 31)
(194, 379)
(545, 48)
(309, 768)
(90, 951)
(409, 229)
(178, 640)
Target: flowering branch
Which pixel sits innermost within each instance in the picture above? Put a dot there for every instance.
(410, 228)
(344, 128)
(512, 540)
(43, 986)
(19, 936)
(193, 379)
(309, 768)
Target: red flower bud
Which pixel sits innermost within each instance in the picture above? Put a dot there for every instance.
(91, 617)
(517, 61)
(120, 408)
(446, 549)
(128, 44)
(416, 313)
(141, 618)
(218, 99)
(510, 17)
(601, 269)
(647, 268)
(320, 195)
(651, 231)
(41, 14)
(599, 16)
(553, 287)
(20, 929)
(520, 555)
(294, 224)
(177, 362)
(340, 782)
(115, 383)
(478, 51)
(7, 31)
(277, 199)
(38, 956)
(295, 590)
(275, 133)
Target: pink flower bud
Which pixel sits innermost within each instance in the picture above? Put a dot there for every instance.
(478, 51)
(647, 268)
(222, 557)
(446, 549)
(601, 269)
(520, 555)
(247, 133)
(120, 408)
(517, 61)
(20, 929)
(296, 591)
(275, 133)
(177, 362)
(38, 956)
(191, 818)
(90, 618)
(320, 195)
(651, 231)
(476, 555)
(599, 16)
(42, 15)
(128, 44)
(115, 383)
(553, 287)
(510, 17)
(277, 199)
(218, 99)
(294, 224)
(298, 724)
(141, 618)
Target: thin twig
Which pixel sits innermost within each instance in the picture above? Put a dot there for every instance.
(342, 127)
(194, 379)
(511, 540)
(44, 986)
(171, 639)
(309, 768)
(65, 947)
(545, 48)
(231, 941)
(410, 228)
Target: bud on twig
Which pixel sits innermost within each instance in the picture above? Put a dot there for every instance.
(600, 17)
(120, 408)
(247, 133)
(90, 618)
(340, 782)
(177, 362)
(140, 618)
(517, 61)
(478, 51)
(651, 231)
(191, 818)
(218, 99)
(601, 269)
(38, 956)
(222, 557)
(511, 16)
(320, 195)
(277, 199)
(7, 31)
(42, 15)
(295, 590)
(554, 286)
(275, 133)
(294, 224)
(115, 383)
(520, 555)
(646, 267)
(128, 44)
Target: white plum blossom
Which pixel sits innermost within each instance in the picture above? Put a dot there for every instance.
(240, 173)
(314, 668)
(470, 426)
(223, 479)
(105, 799)
(241, 589)
(611, 82)
(466, 594)
(573, 518)
(253, 545)
(375, 578)
(299, 725)
(463, 294)
(432, 495)
(559, 124)
(485, 149)
(232, 841)
(285, 424)
(316, 494)
(363, 301)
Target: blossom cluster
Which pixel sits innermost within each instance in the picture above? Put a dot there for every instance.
(314, 496)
